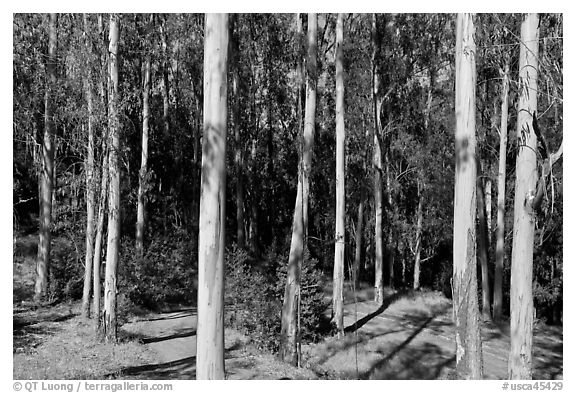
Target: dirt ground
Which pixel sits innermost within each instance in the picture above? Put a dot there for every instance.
(409, 337)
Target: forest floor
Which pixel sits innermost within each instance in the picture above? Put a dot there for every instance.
(410, 336)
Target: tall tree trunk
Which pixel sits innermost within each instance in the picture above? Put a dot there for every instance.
(47, 174)
(103, 87)
(418, 248)
(289, 335)
(99, 235)
(142, 178)
(483, 250)
(210, 331)
(358, 241)
(238, 162)
(113, 243)
(338, 287)
(521, 301)
(377, 162)
(465, 302)
(90, 186)
(497, 307)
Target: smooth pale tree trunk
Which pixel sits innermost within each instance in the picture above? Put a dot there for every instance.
(142, 185)
(420, 210)
(103, 90)
(418, 248)
(464, 286)
(339, 247)
(210, 330)
(483, 250)
(289, 335)
(238, 162)
(358, 241)
(113, 242)
(499, 266)
(90, 186)
(47, 174)
(99, 235)
(377, 162)
(521, 301)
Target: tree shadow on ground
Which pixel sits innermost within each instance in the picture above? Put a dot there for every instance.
(146, 339)
(183, 369)
(28, 337)
(385, 304)
(182, 314)
(548, 360)
(421, 361)
(178, 369)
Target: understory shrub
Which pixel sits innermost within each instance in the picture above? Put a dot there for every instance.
(254, 298)
(166, 273)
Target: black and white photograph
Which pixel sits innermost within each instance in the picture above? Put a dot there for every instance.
(287, 196)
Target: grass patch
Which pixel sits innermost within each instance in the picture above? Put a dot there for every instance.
(68, 349)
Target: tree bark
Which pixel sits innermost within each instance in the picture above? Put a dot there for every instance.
(99, 234)
(339, 247)
(497, 306)
(142, 178)
(521, 301)
(47, 174)
(419, 215)
(358, 241)
(210, 331)
(113, 242)
(483, 250)
(377, 162)
(465, 302)
(90, 186)
(289, 335)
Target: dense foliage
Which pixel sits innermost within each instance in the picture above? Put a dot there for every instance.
(416, 67)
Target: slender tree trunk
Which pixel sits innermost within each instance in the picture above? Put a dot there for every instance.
(358, 242)
(338, 287)
(210, 333)
(142, 178)
(47, 174)
(377, 162)
(465, 302)
(238, 162)
(113, 243)
(289, 335)
(99, 235)
(90, 186)
(483, 250)
(418, 248)
(521, 301)
(103, 87)
(420, 210)
(497, 308)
